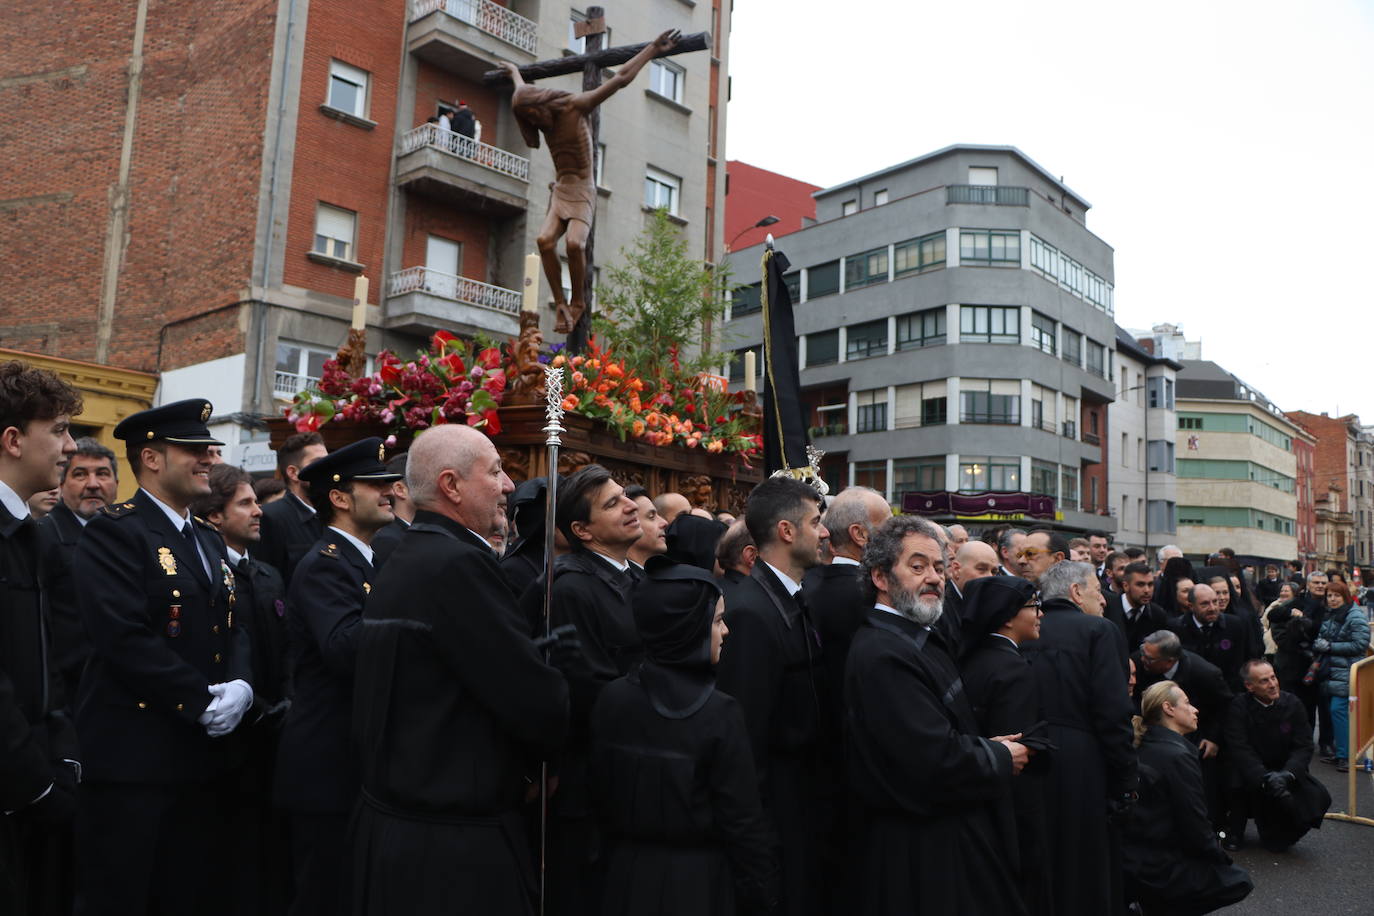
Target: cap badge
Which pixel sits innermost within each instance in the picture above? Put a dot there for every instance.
(167, 561)
(205, 412)
(381, 452)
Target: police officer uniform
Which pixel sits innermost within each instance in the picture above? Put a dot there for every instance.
(317, 777)
(158, 604)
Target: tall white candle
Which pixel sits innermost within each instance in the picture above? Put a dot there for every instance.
(749, 367)
(360, 303)
(532, 267)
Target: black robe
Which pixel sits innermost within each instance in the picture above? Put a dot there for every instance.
(837, 607)
(678, 801)
(1206, 690)
(950, 626)
(1293, 637)
(386, 540)
(927, 784)
(58, 534)
(289, 528)
(772, 664)
(1226, 644)
(1080, 666)
(1006, 701)
(1172, 856)
(1264, 739)
(453, 707)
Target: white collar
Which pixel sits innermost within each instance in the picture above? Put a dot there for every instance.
(1008, 639)
(957, 590)
(844, 561)
(234, 555)
(309, 508)
(792, 585)
(18, 507)
(1169, 675)
(178, 521)
(878, 605)
(363, 549)
(620, 565)
(1259, 701)
(1126, 604)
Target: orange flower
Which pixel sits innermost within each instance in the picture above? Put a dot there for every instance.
(571, 402)
(579, 379)
(577, 361)
(559, 360)
(715, 446)
(635, 405)
(601, 401)
(637, 428)
(614, 370)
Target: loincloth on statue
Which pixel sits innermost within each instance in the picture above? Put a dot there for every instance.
(573, 201)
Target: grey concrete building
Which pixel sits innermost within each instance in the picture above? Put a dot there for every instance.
(1142, 482)
(954, 316)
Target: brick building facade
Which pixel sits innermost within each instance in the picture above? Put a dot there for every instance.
(1333, 486)
(199, 187)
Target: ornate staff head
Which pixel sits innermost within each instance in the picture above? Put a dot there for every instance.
(553, 403)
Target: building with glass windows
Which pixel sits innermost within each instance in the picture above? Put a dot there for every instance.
(1237, 468)
(955, 333)
(1141, 480)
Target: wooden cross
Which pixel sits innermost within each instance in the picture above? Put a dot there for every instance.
(592, 62)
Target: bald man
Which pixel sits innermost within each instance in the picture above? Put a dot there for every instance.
(671, 505)
(958, 537)
(974, 560)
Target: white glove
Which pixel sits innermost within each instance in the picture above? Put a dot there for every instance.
(232, 700)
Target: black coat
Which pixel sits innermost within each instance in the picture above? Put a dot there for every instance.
(773, 665)
(1293, 636)
(35, 734)
(950, 626)
(1267, 590)
(289, 529)
(1225, 644)
(1265, 739)
(1206, 689)
(454, 706)
(837, 607)
(317, 766)
(1080, 666)
(1172, 856)
(678, 801)
(161, 634)
(386, 540)
(927, 784)
(1006, 701)
(1148, 619)
(58, 534)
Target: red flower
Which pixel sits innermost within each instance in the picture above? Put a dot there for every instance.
(490, 358)
(390, 374)
(440, 338)
(308, 424)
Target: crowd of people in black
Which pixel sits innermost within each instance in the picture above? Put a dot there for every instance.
(349, 699)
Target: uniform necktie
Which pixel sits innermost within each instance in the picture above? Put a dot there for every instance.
(241, 567)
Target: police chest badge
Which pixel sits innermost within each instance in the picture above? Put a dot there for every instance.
(167, 561)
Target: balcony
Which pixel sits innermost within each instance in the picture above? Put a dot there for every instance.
(287, 385)
(997, 195)
(420, 300)
(472, 175)
(469, 36)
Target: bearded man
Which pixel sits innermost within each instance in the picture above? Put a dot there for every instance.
(927, 783)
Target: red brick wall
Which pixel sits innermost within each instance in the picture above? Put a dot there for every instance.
(337, 163)
(193, 186)
(753, 193)
(1097, 471)
(426, 216)
(434, 86)
(1332, 464)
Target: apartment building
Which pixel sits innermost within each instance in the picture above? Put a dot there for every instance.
(202, 186)
(954, 315)
(1336, 488)
(1142, 483)
(1237, 470)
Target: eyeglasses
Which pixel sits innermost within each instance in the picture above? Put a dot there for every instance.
(1030, 553)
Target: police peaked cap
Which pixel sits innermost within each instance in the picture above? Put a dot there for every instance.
(180, 423)
(361, 460)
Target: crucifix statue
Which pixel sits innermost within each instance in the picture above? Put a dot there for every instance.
(569, 122)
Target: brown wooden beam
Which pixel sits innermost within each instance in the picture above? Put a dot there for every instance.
(576, 63)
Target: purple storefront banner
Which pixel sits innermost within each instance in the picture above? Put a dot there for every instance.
(978, 504)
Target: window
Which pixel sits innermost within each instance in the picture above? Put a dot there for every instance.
(745, 300)
(1160, 391)
(600, 175)
(920, 404)
(990, 401)
(1042, 409)
(666, 79)
(1161, 516)
(880, 197)
(871, 474)
(980, 475)
(1224, 469)
(299, 366)
(1097, 359)
(872, 410)
(849, 208)
(793, 283)
(334, 232)
(736, 369)
(662, 190)
(982, 175)
(1161, 455)
(1071, 275)
(866, 268)
(867, 339)
(823, 280)
(1070, 428)
(823, 348)
(1073, 347)
(1044, 478)
(989, 246)
(916, 255)
(918, 475)
(1190, 422)
(1042, 332)
(990, 324)
(347, 89)
(1068, 487)
(921, 329)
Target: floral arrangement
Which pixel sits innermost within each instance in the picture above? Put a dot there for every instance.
(674, 406)
(454, 382)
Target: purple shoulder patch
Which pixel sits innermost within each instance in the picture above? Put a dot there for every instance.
(280, 607)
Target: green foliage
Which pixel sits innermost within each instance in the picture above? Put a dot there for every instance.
(659, 300)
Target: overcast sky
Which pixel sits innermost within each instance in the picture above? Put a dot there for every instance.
(1226, 148)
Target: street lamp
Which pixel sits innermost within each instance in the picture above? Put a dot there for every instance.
(768, 220)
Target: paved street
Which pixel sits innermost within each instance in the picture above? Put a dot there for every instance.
(1330, 872)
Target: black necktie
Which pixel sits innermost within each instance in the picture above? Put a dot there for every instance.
(189, 532)
(241, 567)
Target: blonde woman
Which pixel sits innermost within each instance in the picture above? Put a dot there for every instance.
(1173, 862)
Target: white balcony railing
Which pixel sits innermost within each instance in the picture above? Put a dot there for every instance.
(498, 160)
(459, 289)
(290, 384)
(492, 18)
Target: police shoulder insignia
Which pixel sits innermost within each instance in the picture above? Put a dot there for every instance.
(330, 550)
(118, 510)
